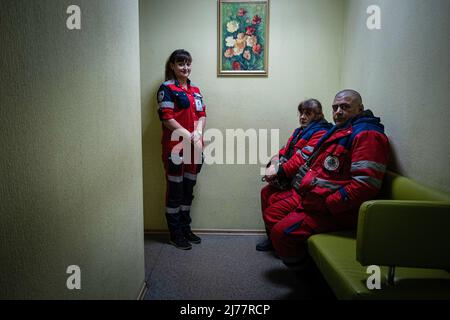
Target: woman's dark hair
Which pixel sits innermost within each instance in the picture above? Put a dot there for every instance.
(179, 55)
(312, 105)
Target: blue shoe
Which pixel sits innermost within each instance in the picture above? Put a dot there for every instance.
(265, 245)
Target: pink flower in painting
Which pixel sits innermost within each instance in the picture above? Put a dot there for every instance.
(240, 44)
(241, 12)
(251, 41)
(250, 31)
(256, 20)
(257, 48)
(229, 53)
(247, 55)
(236, 66)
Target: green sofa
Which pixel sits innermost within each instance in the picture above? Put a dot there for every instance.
(406, 232)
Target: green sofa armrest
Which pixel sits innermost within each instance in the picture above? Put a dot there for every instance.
(404, 233)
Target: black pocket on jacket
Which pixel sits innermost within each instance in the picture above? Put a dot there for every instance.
(182, 100)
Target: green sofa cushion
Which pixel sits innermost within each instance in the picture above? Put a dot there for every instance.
(335, 256)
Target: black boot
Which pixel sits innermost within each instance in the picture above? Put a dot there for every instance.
(180, 241)
(185, 220)
(265, 245)
(191, 237)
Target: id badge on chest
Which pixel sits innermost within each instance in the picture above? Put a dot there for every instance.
(198, 104)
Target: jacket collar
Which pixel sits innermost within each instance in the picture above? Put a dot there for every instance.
(364, 117)
(177, 83)
(314, 125)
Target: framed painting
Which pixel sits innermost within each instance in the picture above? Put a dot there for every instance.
(243, 37)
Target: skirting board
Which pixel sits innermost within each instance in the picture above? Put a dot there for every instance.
(233, 232)
(143, 291)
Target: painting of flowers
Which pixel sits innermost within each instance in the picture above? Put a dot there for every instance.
(243, 37)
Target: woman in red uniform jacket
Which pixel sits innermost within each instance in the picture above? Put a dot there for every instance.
(284, 166)
(182, 112)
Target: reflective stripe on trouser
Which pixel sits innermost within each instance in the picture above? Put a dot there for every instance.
(174, 196)
(181, 180)
(178, 202)
(189, 181)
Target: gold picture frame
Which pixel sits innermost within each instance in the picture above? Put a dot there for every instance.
(243, 38)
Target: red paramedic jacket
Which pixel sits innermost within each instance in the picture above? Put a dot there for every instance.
(301, 144)
(348, 171)
(185, 106)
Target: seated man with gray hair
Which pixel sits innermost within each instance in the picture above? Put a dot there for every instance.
(345, 169)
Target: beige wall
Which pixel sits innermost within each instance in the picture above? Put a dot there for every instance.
(71, 168)
(304, 61)
(403, 72)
